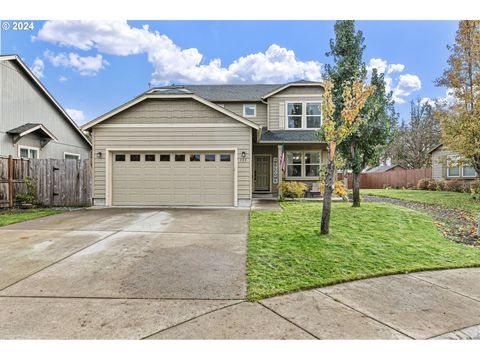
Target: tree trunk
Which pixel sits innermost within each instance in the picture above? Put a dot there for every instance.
(327, 194)
(356, 189)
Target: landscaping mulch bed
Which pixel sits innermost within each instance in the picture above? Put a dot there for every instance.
(455, 225)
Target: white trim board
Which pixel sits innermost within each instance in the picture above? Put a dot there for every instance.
(111, 150)
(171, 125)
(289, 85)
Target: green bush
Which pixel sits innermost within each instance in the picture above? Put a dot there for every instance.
(292, 189)
(29, 196)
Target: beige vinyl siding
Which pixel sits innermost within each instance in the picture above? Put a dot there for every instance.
(439, 163)
(22, 102)
(223, 132)
(301, 90)
(237, 107)
(277, 106)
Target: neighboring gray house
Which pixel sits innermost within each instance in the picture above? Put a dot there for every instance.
(207, 144)
(446, 164)
(32, 123)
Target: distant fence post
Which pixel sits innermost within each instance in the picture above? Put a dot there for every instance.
(10, 181)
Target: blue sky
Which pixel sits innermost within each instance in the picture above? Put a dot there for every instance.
(92, 67)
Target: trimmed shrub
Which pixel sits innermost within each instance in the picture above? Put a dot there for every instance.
(475, 189)
(422, 184)
(431, 185)
(338, 189)
(292, 189)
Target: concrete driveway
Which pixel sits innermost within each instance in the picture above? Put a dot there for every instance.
(119, 273)
(180, 274)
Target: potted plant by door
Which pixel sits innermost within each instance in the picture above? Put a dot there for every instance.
(27, 199)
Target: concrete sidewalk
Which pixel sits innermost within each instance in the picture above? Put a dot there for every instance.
(425, 305)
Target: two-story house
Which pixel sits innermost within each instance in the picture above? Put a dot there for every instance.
(216, 145)
(32, 122)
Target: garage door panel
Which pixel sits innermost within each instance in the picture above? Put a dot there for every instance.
(173, 182)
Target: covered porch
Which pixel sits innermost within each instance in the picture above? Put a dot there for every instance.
(274, 163)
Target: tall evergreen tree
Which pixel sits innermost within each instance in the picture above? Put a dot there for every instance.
(375, 133)
(347, 53)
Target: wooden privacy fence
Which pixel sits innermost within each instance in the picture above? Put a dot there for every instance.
(59, 182)
(395, 179)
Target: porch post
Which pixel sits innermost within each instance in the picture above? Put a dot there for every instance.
(280, 175)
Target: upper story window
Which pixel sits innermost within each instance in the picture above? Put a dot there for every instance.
(304, 115)
(249, 110)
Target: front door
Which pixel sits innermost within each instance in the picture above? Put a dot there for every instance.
(262, 173)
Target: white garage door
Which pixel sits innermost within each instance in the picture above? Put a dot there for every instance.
(173, 178)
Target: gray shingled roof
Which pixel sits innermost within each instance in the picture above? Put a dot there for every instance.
(381, 168)
(22, 128)
(288, 135)
(219, 93)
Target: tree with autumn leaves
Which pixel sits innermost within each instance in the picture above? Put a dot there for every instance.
(460, 118)
(335, 130)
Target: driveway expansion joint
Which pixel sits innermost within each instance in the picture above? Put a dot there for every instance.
(191, 319)
(443, 287)
(290, 321)
(365, 314)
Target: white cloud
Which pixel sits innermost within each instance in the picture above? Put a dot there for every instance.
(172, 63)
(406, 85)
(446, 100)
(38, 67)
(402, 86)
(85, 65)
(77, 115)
(395, 68)
(62, 78)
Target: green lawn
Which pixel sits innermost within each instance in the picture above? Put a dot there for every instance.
(16, 216)
(446, 199)
(286, 252)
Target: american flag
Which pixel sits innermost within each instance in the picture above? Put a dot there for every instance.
(282, 159)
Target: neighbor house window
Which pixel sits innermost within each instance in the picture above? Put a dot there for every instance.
(67, 155)
(28, 152)
(468, 171)
(304, 115)
(456, 169)
(249, 110)
(303, 164)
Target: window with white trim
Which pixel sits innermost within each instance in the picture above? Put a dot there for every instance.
(67, 155)
(28, 152)
(468, 171)
(455, 168)
(303, 115)
(249, 110)
(303, 164)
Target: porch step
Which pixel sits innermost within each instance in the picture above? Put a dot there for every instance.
(264, 196)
